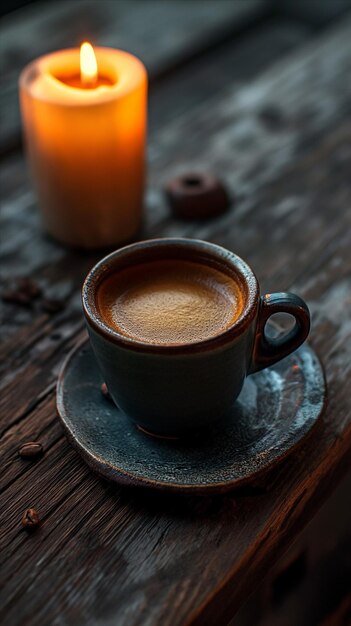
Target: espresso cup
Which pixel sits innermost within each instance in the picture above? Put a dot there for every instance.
(177, 384)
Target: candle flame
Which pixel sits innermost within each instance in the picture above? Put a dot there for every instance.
(88, 65)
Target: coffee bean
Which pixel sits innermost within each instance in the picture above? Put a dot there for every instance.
(52, 305)
(105, 392)
(15, 296)
(22, 291)
(30, 287)
(30, 519)
(30, 450)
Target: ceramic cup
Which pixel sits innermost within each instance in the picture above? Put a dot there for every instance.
(172, 390)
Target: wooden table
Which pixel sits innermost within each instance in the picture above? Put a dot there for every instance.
(260, 93)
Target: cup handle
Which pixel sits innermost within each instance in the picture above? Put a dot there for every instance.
(268, 351)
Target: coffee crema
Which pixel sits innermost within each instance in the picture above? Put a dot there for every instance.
(170, 301)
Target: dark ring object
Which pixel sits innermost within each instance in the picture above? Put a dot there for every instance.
(197, 196)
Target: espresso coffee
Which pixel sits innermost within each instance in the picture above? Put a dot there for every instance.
(170, 301)
(176, 325)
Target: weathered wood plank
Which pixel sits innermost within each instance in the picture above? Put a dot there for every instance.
(129, 557)
(310, 584)
(203, 79)
(253, 133)
(120, 559)
(316, 12)
(161, 34)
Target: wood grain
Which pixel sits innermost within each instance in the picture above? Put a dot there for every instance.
(109, 555)
(310, 583)
(234, 62)
(311, 12)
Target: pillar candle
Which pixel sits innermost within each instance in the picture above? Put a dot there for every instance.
(84, 128)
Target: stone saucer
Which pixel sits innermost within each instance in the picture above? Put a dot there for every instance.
(275, 410)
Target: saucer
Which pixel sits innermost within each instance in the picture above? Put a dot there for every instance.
(275, 410)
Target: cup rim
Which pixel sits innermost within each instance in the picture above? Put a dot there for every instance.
(203, 250)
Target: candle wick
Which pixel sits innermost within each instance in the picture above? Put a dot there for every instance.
(88, 81)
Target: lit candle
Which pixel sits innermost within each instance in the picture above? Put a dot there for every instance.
(84, 119)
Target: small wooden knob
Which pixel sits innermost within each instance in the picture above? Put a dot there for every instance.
(197, 196)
